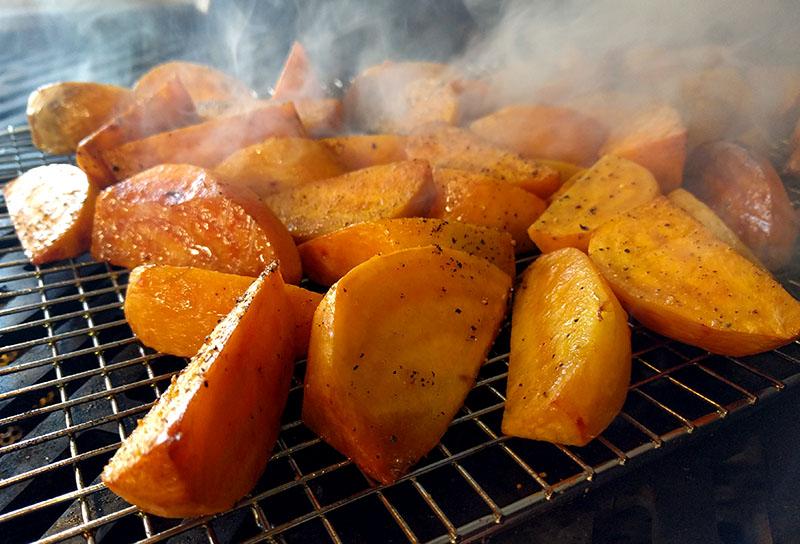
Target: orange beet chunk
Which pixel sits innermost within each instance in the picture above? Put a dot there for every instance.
(183, 215)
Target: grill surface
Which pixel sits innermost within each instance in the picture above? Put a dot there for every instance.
(73, 382)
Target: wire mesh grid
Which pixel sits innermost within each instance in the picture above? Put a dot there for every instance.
(73, 382)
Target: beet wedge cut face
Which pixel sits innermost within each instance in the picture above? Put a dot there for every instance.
(173, 308)
(453, 147)
(654, 138)
(184, 215)
(356, 151)
(710, 220)
(395, 347)
(329, 257)
(208, 438)
(612, 185)
(204, 83)
(539, 131)
(51, 208)
(570, 361)
(400, 189)
(478, 199)
(678, 279)
(279, 163)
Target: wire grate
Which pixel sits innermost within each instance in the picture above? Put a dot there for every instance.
(73, 382)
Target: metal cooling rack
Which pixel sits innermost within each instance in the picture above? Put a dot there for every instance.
(73, 382)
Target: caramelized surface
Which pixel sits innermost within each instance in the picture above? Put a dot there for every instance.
(182, 215)
(746, 192)
(51, 208)
(208, 438)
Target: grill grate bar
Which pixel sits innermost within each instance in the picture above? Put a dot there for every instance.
(58, 464)
(108, 393)
(777, 384)
(73, 447)
(63, 317)
(37, 275)
(80, 375)
(72, 429)
(437, 510)
(77, 494)
(59, 300)
(86, 527)
(720, 409)
(64, 335)
(686, 423)
(315, 502)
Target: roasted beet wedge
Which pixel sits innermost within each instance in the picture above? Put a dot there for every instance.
(169, 107)
(173, 308)
(184, 216)
(744, 189)
(51, 208)
(208, 438)
(395, 348)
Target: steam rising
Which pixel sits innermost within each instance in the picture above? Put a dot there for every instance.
(555, 51)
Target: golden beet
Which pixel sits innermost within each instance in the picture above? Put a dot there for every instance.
(656, 139)
(279, 163)
(167, 108)
(62, 114)
(400, 189)
(676, 278)
(476, 198)
(451, 147)
(173, 308)
(610, 186)
(204, 83)
(744, 189)
(543, 132)
(358, 151)
(330, 256)
(205, 144)
(184, 216)
(395, 348)
(51, 208)
(175, 463)
(570, 361)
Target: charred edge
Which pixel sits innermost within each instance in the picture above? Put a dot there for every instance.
(271, 268)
